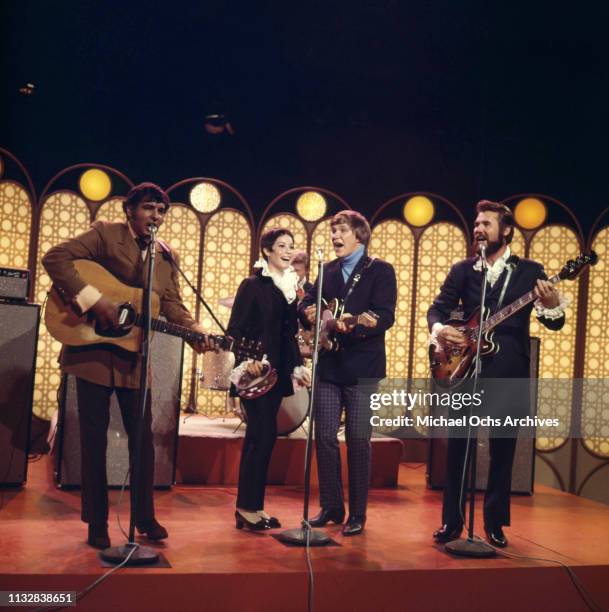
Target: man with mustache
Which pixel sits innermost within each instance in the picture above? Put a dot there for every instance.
(508, 277)
(365, 284)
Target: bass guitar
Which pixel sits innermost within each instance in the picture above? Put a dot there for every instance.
(72, 328)
(452, 365)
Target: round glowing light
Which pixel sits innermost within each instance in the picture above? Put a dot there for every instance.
(95, 184)
(311, 206)
(530, 213)
(205, 197)
(419, 211)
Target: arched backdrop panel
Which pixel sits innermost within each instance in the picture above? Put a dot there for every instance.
(321, 238)
(111, 210)
(226, 262)
(63, 215)
(552, 246)
(595, 413)
(393, 241)
(440, 246)
(16, 225)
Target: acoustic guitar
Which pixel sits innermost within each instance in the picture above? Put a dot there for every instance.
(453, 365)
(72, 328)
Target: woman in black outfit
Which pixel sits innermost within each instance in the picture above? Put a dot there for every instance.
(265, 310)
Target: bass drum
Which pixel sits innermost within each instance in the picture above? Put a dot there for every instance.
(293, 411)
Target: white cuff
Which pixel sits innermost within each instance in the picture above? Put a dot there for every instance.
(87, 297)
(301, 376)
(552, 313)
(237, 372)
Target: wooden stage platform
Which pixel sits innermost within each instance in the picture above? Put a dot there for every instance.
(394, 565)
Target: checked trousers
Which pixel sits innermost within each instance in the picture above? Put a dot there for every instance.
(330, 400)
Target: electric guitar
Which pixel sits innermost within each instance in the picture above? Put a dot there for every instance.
(452, 365)
(67, 325)
(331, 314)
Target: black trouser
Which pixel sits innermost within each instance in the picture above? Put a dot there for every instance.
(260, 436)
(94, 418)
(497, 496)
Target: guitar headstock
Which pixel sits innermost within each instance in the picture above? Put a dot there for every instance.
(573, 267)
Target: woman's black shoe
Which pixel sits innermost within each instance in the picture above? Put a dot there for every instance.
(273, 522)
(241, 522)
(325, 516)
(447, 533)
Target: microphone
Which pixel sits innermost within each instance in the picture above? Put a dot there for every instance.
(481, 250)
(320, 253)
(152, 228)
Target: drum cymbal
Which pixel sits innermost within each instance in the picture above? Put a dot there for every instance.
(226, 302)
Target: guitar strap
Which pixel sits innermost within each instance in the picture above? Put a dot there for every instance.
(354, 282)
(513, 262)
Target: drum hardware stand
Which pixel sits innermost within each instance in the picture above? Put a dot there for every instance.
(192, 403)
(306, 535)
(473, 547)
(132, 553)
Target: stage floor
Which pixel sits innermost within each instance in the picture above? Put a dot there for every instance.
(394, 565)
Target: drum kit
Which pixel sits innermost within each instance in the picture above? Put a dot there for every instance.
(215, 374)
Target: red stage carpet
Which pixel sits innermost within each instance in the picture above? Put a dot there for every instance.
(393, 566)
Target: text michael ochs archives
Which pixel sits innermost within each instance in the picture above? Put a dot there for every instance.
(407, 401)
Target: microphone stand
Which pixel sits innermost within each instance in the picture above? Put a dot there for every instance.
(305, 535)
(472, 547)
(132, 553)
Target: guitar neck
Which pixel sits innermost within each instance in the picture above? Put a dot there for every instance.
(180, 331)
(513, 308)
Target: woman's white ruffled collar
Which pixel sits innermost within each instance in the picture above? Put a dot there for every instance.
(286, 283)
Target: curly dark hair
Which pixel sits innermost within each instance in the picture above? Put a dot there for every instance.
(145, 192)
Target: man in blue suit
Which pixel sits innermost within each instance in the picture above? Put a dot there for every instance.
(364, 284)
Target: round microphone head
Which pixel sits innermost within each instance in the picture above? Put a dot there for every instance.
(482, 244)
(152, 228)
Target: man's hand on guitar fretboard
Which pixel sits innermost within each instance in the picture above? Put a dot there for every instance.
(206, 343)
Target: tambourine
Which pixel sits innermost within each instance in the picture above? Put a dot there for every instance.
(250, 387)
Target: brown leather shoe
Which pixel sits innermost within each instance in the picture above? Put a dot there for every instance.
(98, 536)
(153, 530)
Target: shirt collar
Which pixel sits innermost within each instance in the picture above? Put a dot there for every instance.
(286, 282)
(351, 259)
(498, 264)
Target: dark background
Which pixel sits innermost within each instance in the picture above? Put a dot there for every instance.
(467, 99)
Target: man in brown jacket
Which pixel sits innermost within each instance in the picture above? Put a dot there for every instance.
(103, 369)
